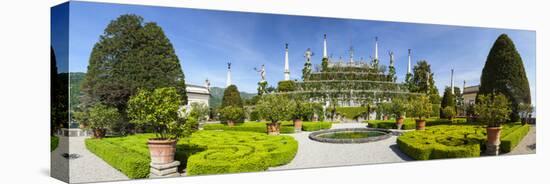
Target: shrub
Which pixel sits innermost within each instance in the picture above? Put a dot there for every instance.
(131, 163)
(274, 108)
(492, 109)
(54, 142)
(199, 111)
(314, 126)
(286, 86)
(511, 140)
(408, 124)
(231, 152)
(259, 127)
(302, 110)
(351, 112)
(232, 113)
(161, 109)
(450, 141)
(398, 107)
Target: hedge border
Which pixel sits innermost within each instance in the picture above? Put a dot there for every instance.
(131, 163)
(511, 140)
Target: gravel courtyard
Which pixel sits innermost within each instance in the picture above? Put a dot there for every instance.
(313, 154)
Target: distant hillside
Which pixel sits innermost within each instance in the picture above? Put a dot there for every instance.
(216, 95)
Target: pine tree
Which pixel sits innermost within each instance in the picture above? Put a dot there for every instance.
(504, 73)
(131, 55)
(422, 79)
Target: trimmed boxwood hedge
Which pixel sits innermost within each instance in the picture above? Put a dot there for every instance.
(54, 142)
(511, 140)
(259, 127)
(455, 141)
(205, 152)
(351, 112)
(315, 126)
(231, 152)
(410, 123)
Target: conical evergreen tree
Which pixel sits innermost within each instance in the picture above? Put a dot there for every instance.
(504, 73)
(131, 55)
(232, 97)
(448, 100)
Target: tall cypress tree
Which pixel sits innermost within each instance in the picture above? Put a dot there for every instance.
(448, 100)
(232, 97)
(504, 73)
(131, 55)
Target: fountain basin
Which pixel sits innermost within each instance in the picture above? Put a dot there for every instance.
(350, 135)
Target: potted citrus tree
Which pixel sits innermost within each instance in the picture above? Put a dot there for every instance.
(163, 110)
(232, 114)
(421, 108)
(301, 111)
(101, 117)
(398, 107)
(492, 109)
(449, 112)
(274, 108)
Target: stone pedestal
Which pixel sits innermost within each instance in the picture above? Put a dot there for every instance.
(492, 149)
(164, 170)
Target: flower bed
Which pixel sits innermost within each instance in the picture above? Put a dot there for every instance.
(205, 152)
(454, 141)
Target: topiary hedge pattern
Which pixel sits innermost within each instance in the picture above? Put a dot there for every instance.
(259, 127)
(205, 152)
(232, 152)
(315, 126)
(455, 141)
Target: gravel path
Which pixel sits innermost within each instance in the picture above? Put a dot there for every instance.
(312, 154)
(528, 145)
(87, 167)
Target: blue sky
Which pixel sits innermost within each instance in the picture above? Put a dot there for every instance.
(206, 40)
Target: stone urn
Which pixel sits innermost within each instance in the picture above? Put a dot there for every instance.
(162, 151)
(99, 132)
(493, 140)
(298, 124)
(399, 122)
(420, 124)
(273, 128)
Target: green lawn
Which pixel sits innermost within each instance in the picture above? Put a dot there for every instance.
(205, 152)
(456, 141)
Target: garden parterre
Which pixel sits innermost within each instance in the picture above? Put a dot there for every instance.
(205, 152)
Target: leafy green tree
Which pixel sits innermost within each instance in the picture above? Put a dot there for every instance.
(262, 87)
(324, 64)
(422, 80)
(302, 110)
(493, 109)
(391, 74)
(448, 100)
(275, 108)
(448, 112)
(199, 111)
(504, 73)
(161, 108)
(421, 107)
(102, 117)
(131, 55)
(286, 86)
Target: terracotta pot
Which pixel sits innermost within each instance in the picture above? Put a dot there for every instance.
(230, 123)
(493, 135)
(273, 128)
(420, 124)
(298, 124)
(99, 132)
(162, 151)
(399, 122)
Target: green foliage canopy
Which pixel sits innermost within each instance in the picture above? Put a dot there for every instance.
(493, 109)
(275, 108)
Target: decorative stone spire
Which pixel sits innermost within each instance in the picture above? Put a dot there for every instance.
(391, 58)
(409, 66)
(287, 70)
(228, 81)
(351, 55)
(207, 84)
(463, 86)
(376, 48)
(452, 82)
(325, 46)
